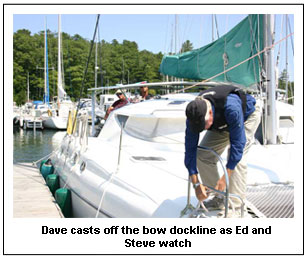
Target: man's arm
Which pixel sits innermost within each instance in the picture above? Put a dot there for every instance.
(191, 143)
(235, 120)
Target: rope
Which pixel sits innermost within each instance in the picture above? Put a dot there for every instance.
(104, 192)
(85, 71)
(225, 57)
(289, 25)
(253, 40)
(216, 26)
(199, 211)
(281, 33)
(89, 57)
(48, 155)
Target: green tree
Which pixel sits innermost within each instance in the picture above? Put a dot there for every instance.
(186, 46)
(116, 61)
(282, 85)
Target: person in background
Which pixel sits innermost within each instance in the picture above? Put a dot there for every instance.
(231, 118)
(122, 101)
(144, 93)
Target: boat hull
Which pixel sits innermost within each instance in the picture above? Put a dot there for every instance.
(139, 171)
(81, 207)
(59, 123)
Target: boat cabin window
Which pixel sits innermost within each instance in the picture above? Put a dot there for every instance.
(122, 119)
(177, 102)
(286, 121)
(148, 158)
(154, 129)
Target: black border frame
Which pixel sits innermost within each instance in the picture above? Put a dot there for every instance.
(148, 4)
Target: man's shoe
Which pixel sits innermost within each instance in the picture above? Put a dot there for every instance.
(216, 203)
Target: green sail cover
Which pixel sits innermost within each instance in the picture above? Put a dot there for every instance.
(234, 47)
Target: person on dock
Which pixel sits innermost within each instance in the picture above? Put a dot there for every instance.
(122, 101)
(231, 118)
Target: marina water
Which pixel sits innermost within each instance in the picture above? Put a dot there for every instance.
(31, 146)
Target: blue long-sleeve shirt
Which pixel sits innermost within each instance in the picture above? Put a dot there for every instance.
(235, 121)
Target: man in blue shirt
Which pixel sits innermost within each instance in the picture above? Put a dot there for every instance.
(231, 118)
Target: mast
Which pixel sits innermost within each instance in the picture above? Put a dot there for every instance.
(176, 36)
(212, 27)
(28, 88)
(176, 21)
(45, 75)
(96, 68)
(46, 99)
(286, 96)
(59, 56)
(271, 132)
(61, 91)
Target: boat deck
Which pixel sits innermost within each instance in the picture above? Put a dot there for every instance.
(32, 198)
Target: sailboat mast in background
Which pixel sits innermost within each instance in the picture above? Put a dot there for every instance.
(271, 123)
(59, 57)
(46, 97)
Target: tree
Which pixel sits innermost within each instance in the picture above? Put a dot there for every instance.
(186, 46)
(282, 85)
(116, 62)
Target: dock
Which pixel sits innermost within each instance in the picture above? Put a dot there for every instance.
(32, 197)
(31, 123)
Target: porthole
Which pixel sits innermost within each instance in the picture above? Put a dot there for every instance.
(74, 158)
(82, 166)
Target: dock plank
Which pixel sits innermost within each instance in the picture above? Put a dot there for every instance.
(32, 198)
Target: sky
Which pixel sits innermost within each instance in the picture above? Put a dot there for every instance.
(152, 32)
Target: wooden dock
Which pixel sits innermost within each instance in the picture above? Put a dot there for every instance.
(32, 198)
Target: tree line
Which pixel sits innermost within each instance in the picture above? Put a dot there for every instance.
(117, 63)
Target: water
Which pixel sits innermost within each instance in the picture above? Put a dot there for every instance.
(30, 146)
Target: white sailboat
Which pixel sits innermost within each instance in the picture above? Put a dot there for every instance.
(135, 167)
(62, 104)
(30, 115)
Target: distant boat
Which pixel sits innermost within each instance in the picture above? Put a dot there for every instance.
(30, 115)
(58, 116)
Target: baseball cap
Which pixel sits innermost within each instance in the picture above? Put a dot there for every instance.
(196, 112)
(118, 92)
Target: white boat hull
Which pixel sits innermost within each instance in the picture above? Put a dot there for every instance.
(145, 176)
(55, 122)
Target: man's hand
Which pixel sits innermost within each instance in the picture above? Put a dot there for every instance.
(221, 184)
(201, 193)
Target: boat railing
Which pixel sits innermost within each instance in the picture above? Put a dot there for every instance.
(120, 143)
(224, 194)
(83, 131)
